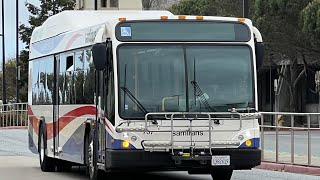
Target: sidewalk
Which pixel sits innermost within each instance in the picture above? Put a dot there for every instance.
(300, 163)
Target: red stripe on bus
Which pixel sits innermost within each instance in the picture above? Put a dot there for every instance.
(63, 121)
(72, 40)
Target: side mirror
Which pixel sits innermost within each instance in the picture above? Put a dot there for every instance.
(259, 54)
(99, 54)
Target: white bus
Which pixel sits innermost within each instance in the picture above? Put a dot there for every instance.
(134, 91)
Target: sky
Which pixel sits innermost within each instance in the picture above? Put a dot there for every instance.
(10, 24)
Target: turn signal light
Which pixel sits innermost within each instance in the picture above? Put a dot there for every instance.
(125, 144)
(248, 143)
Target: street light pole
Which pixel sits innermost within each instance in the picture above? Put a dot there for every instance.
(95, 4)
(17, 52)
(245, 8)
(4, 95)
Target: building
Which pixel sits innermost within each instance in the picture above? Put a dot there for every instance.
(109, 4)
(122, 4)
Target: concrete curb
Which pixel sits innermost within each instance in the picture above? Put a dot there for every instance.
(13, 127)
(290, 168)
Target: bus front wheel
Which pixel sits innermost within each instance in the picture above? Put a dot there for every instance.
(91, 158)
(46, 163)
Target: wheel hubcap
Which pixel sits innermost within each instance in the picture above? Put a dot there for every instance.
(91, 166)
(41, 150)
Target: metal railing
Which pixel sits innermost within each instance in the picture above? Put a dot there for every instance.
(188, 122)
(294, 122)
(15, 114)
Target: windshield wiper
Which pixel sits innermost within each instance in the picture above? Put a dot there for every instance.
(198, 93)
(232, 108)
(137, 102)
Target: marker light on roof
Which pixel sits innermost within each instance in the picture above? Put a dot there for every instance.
(199, 17)
(163, 17)
(122, 19)
(241, 19)
(182, 17)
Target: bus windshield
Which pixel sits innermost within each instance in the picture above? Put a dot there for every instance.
(183, 78)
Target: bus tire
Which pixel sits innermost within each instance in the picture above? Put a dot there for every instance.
(63, 166)
(91, 156)
(221, 174)
(46, 163)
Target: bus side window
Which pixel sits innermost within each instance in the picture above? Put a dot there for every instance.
(42, 81)
(66, 86)
(89, 78)
(78, 77)
(109, 91)
(35, 81)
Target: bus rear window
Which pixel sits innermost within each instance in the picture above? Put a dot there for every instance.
(205, 31)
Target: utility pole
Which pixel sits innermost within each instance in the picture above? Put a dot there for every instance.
(95, 4)
(17, 52)
(245, 8)
(4, 95)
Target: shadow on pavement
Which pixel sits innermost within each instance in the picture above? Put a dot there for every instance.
(81, 174)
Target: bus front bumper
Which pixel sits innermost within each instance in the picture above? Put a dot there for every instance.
(140, 160)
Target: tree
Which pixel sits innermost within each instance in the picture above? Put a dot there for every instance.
(310, 21)
(155, 4)
(231, 8)
(290, 34)
(10, 79)
(38, 16)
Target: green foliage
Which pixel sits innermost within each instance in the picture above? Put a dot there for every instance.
(208, 7)
(10, 79)
(195, 7)
(310, 20)
(290, 29)
(38, 16)
(280, 24)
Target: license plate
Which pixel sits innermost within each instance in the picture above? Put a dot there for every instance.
(220, 161)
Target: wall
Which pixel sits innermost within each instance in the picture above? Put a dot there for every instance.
(123, 5)
(313, 108)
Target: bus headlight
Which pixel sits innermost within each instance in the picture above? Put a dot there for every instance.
(240, 137)
(134, 138)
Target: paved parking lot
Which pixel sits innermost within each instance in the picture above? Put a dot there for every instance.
(17, 162)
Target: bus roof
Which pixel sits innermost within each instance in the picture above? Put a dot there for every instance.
(75, 29)
(76, 20)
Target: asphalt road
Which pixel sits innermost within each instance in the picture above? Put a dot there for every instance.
(27, 168)
(16, 163)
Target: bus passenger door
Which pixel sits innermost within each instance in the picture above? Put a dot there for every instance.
(101, 116)
(56, 106)
(66, 107)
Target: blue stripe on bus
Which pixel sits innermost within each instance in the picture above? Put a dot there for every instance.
(255, 143)
(112, 143)
(47, 45)
(32, 146)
